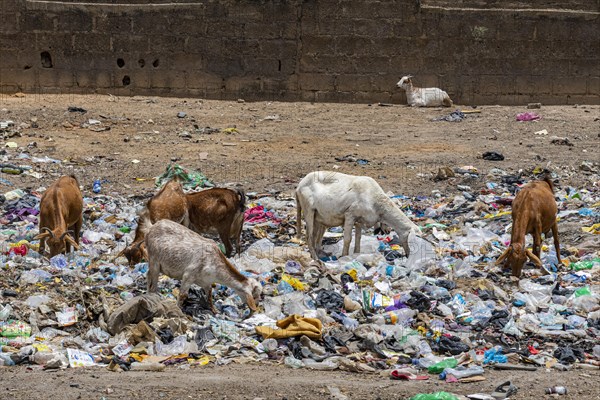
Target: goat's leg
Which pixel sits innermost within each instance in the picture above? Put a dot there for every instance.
(184, 289)
(152, 276)
(208, 291)
(357, 234)
(348, 225)
(556, 243)
(224, 236)
(318, 239)
(309, 217)
(537, 242)
(77, 229)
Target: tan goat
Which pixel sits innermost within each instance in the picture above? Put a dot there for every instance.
(61, 209)
(533, 212)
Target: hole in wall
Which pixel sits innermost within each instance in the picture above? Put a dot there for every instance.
(46, 59)
(126, 80)
(141, 62)
(279, 67)
(27, 67)
(155, 63)
(120, 62)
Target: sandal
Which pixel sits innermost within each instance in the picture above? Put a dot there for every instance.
(504, 391)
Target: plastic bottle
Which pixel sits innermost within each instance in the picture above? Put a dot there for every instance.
(442, 365)
(97, 187)
(293, 362)
(584, 291)
(556, 389)
(400, 316)
(581, 265)
(462, 373)
(434, 396)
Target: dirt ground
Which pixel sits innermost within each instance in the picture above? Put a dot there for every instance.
(274, 145)
(265, 381)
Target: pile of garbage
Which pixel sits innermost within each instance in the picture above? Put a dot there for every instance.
(446, 310)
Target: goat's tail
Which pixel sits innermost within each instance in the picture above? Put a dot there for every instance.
(298, 217)
(242, 201)
(548, 180)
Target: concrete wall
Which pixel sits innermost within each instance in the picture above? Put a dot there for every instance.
(330, 50)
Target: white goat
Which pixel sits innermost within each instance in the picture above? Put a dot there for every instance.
(333, 199)
(423, 97)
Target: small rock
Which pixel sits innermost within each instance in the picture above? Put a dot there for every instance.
(534, 105)
(181, 114)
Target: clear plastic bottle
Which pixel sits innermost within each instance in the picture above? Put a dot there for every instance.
(400, 316)
(464, 372)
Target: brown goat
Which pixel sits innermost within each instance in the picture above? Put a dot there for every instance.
(61, 209)
(533, 212)
(169, 203)
(220, 210)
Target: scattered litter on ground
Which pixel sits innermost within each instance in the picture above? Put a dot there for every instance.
(445, 312)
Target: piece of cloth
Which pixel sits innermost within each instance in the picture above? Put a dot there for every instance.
(257, 215)
(407, 376)
(528, 116)
(294, 325)
(142, 308)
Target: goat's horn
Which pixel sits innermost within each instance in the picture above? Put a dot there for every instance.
(66, 233)
(534, 258)
(72, 241)
(503, 256)
(46, 229)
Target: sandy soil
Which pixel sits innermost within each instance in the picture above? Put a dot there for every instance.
(274, 146)
(278, 143)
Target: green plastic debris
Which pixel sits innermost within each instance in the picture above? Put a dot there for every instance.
(125, 229)
(434, 396)
(584, 291)
(189, 178)
(442, 365)
(588, 264)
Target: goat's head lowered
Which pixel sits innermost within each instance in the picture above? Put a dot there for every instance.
(57, 241)
(516, 255)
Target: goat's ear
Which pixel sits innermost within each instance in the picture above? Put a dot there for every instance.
(534, 258)
(42, 236)
(503, 256)
(250, 302)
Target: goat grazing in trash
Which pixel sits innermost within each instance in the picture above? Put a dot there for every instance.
(533, 212)
(423, 97)
(61, 215)
(213, 210)
(220, 210)
(169, 203)
(182, 254)
(332, 199)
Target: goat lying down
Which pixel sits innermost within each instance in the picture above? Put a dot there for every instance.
(61, 209)
(533, 212)
(423, 97)
(332, 199)
(182, 254)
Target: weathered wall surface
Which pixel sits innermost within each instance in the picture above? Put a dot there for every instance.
(328, 50)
